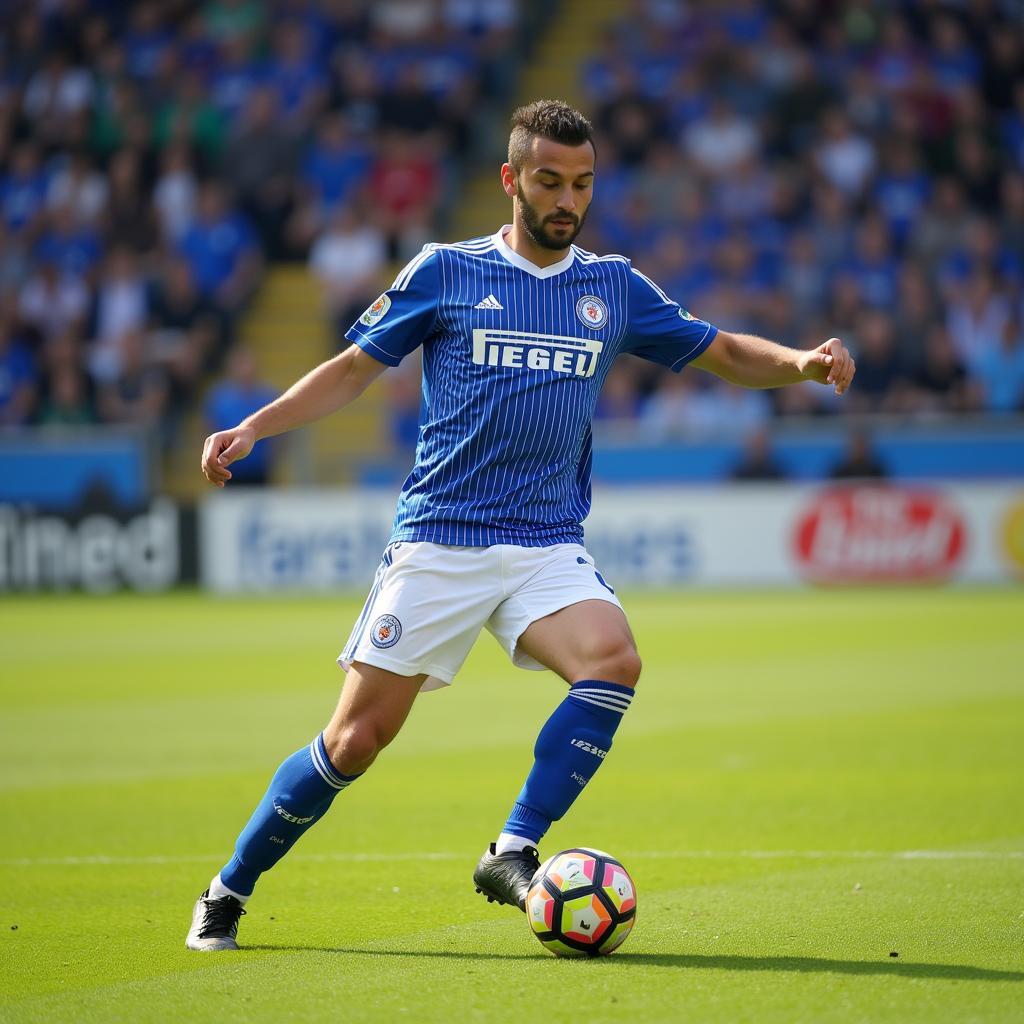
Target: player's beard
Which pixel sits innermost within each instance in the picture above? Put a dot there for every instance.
(535, 225)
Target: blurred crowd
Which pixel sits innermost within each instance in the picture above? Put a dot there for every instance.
(155, 155)
(798, 169)
(806, 169)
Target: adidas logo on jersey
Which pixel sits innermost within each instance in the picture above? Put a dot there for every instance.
(489, 303)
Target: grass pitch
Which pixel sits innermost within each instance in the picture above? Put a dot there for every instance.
(807, 784)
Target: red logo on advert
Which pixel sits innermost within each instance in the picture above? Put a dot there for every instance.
(879, 534)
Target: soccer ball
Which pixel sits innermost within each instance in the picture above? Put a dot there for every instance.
(581, 902)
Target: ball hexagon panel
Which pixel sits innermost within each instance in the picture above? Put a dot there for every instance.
(585, 919)
(572, 870)
(618, 936)
(540, 908)
(618, 887)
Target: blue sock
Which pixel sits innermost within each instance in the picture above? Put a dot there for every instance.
(570, 748)
(300, 793)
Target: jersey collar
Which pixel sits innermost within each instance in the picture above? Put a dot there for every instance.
(524, 264)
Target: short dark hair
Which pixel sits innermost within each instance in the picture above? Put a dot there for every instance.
(546, 119)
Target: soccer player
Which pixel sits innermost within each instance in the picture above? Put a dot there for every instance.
(519, 330)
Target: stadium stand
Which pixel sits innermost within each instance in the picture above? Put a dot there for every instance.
(168, 170)
(160, 160)
(850, 173)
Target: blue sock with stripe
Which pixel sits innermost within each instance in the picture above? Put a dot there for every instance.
(571, 746)
(300, 793)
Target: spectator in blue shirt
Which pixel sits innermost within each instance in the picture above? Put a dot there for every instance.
(71, 247)
(902, 191)
(197, 51)
(299, 82)
(953, 60)
(23, 190)
(18, 379)
(337, 164)
(334, 169)
(1001, 371)
(873, 266)
(222, 251)
(146, 40)
(237, 76)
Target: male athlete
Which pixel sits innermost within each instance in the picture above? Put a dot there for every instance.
(519, 330)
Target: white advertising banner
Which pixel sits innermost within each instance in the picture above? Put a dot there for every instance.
(293, 540)
(740, 535)
(775, 534)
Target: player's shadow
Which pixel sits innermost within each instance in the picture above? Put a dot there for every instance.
(696, 961)
(818, 965)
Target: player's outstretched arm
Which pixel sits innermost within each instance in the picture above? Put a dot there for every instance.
(757, 363)
(329, 387)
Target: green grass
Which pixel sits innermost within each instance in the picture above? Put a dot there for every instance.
(786, 756)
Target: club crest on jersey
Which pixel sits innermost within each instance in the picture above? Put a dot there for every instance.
(386, 632)
(592, 312)
(375, 311)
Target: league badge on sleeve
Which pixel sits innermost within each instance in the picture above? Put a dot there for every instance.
(592, 312)
(375, 311)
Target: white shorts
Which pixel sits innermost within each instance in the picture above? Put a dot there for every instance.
(430, 601)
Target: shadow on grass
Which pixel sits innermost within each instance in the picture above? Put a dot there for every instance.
(693, 961)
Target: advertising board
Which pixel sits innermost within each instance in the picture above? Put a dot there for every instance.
(145, 548)
(749, 535)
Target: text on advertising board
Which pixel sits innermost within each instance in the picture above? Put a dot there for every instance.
(879, 534)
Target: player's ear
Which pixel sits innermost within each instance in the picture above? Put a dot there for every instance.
(509, 180)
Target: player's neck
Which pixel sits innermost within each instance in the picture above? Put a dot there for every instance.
(520, 242)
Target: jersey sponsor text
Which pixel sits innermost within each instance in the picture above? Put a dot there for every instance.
(527, 350)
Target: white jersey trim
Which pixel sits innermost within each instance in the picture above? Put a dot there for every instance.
(409, 270)
(590, 257)
(683, 359)
(524, 264)
(371, 347)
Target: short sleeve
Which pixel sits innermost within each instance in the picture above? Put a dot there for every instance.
(659, 329)
(398, 322)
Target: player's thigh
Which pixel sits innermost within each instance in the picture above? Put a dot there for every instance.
(587, 640)
(374, 704)
(425, 610)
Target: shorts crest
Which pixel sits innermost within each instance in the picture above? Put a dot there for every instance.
(386, 631)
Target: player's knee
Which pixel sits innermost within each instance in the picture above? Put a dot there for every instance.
(628, 666)
(354, 746)
(616, 661)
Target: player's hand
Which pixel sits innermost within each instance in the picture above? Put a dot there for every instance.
(223, 448)
(830, 363)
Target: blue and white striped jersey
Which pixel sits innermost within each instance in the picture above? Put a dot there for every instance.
(514, 357)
